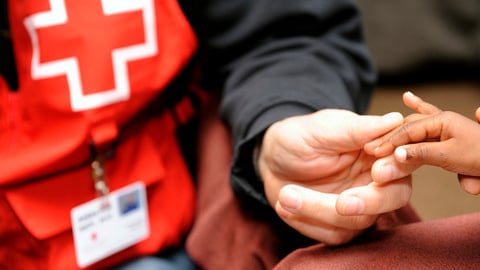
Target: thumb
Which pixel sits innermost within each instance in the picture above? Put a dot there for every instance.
(369, 127)
(375, 198)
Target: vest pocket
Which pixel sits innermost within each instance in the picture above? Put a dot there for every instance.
(43, 206)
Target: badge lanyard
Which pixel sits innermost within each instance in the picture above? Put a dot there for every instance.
(104, 140)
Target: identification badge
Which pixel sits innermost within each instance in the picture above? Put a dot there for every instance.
(109, 224)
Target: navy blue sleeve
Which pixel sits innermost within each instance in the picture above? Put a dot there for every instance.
(279, 58)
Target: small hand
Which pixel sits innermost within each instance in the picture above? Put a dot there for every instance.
(443, 139)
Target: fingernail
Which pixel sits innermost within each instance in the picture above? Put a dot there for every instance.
(353, 206)
(290, 198)
(408, 93)
(392, 117)
(401, 154)
(412, 95)
(386, 172)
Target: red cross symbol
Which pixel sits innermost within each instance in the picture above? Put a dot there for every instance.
(74, 38)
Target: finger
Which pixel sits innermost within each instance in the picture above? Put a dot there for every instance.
(423, 108)
(327, 234)
(375, 198)
(389, 168)
(414, 102)
(417, 131)
(383, 146)
(316, 207)
(415, 117)
(470, 184)
(305, 209)
(373, 147)
(369, 127)
(430, 153)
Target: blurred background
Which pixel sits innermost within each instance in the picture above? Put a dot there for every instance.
(432, 48)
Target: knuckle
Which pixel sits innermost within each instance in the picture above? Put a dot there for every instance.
(405, 128)
(403, 134)
(422, 151)
(337, 237)
(448, 115)
(418, 154)
(363, 222)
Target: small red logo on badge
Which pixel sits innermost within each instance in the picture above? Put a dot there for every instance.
(94, 236)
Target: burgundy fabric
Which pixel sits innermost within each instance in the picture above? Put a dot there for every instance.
(224, 236)
(451, 243)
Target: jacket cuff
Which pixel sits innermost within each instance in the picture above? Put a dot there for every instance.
(245, 182)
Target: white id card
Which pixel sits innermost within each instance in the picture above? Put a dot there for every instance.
(109, 224)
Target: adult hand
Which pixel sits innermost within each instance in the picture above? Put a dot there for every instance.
(307, 161)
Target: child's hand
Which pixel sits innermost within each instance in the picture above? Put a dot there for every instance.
(443, 139)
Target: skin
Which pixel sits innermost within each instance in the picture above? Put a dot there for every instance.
(316, 173)
(431, 137)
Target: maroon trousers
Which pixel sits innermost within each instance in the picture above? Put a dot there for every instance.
(224, 236)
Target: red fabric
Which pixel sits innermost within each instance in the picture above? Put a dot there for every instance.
(35, 218)
(46, 127)
(224, 236)
(42, 113)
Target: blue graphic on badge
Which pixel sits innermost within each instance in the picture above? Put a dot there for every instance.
(129, 202)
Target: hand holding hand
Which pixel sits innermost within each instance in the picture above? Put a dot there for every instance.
(307, 161)
(439, 138)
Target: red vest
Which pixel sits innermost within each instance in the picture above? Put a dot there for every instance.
(87, 69)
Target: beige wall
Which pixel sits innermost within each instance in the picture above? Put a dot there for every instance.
(436, 193)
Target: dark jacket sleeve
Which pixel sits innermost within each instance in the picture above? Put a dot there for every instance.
(278, 58)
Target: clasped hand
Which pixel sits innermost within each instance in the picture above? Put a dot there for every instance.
(330, 174)
(317, 175)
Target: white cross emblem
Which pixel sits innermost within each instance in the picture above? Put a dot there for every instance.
(120, 56)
